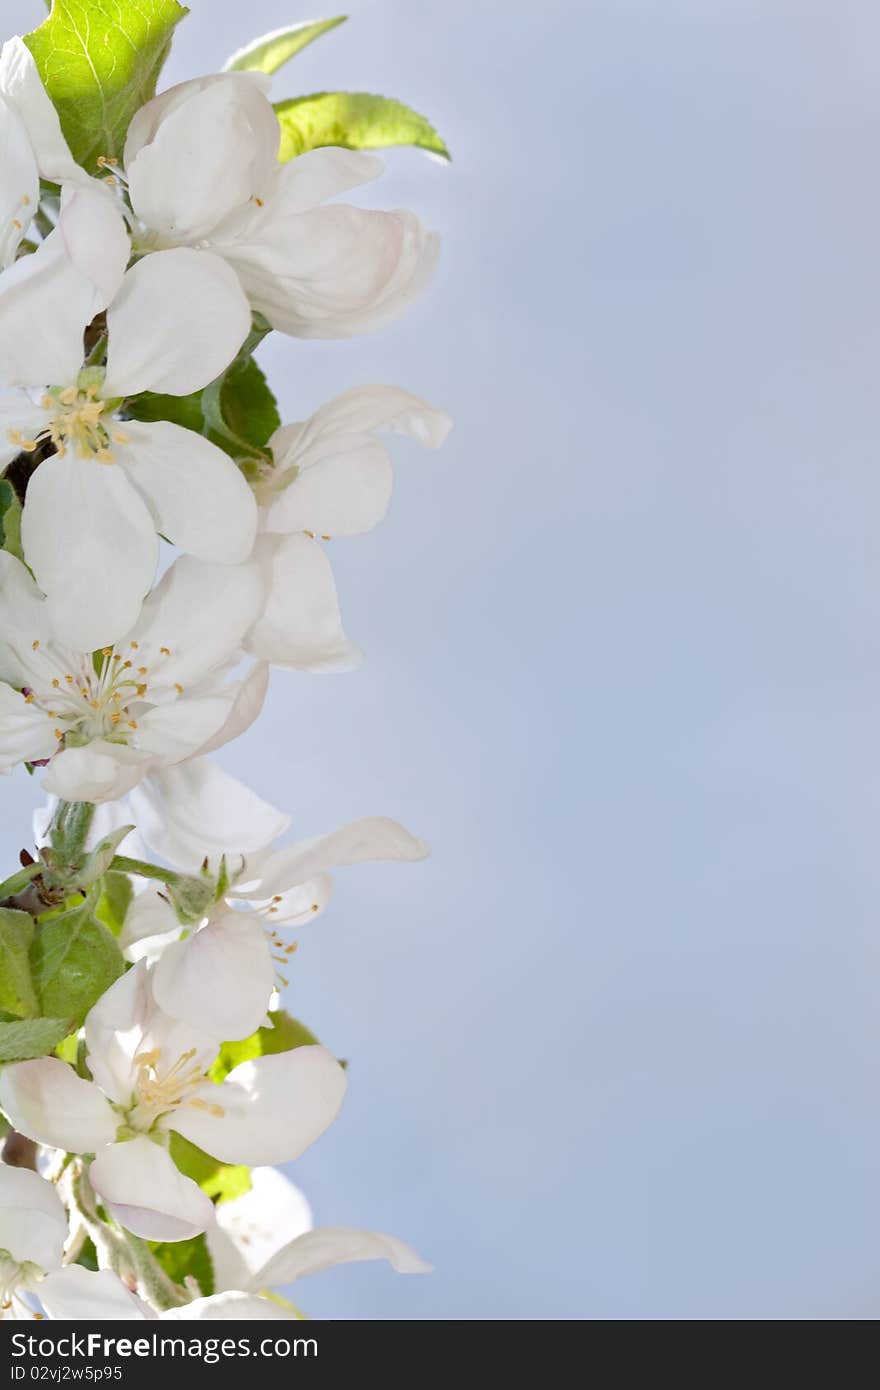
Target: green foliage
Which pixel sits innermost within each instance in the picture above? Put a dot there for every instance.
(74, 959)
(355, 120)
(182, 1258)
(221, 1181)
(17, 993)
(99, 61)
(285, 1034)
(10, 519)
(115, 900)
(238, 412)
(272, 51)
(32, 1037)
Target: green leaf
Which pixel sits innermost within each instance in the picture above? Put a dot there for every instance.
(221, 1181)
(355, 120)
(17, 993)
(10, 519)
(271, 51)
(114, 901)
(286, 1034)
(99, 61)
(238, 412)
(33, 1037)
(74, 959)
(181, 1258)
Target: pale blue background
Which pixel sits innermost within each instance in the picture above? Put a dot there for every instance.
(614, 1049)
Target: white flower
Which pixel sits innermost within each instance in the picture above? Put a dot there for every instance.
(332, 477)
(202, 170)
(264, 1239)
(150, 1077)
(94, 506)
(157, 697)
(33, 1231)
(32, 146)
(221, 977)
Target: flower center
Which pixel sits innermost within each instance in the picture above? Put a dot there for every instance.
(80, 420)
(101, 697)
(160, 1089)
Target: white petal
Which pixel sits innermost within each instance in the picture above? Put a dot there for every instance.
(75, 1294)
(147, 1194)
(99, 771)
(20, 418)
(197, 809)
(251, 1228)
(199, 614)
(24, 621)
(91, 543)
(220, 979)
(221, 1307)
(174, 732)
(301, 625)
(126, 1022)
(343, 480)
(374, 837)
(65, 283)
(335, 271)
(33, 1222)
(46, 1101)
(26, 731)
(20, 84)
(19, 182)
(315, 177)
(176, 324)
(335, 1245)
(293, 907)
(150, 925)
(199, 152)
(249, 696)
(113, 1030)
(274, 1108)
(197, 496)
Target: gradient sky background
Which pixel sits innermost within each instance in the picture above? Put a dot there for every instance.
(614, 1048)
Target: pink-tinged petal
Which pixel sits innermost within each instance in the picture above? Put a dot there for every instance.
(272, 1108)
(176, 324)
(45, 1100)
(147, 1194)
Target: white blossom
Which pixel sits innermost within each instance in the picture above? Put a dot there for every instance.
(157, 697)
(94, 506)
(150, 1077)
(202, 171)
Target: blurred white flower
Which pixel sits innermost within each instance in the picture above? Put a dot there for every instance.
(33, 1231)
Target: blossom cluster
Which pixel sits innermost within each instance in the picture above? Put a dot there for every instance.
(160, 559)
